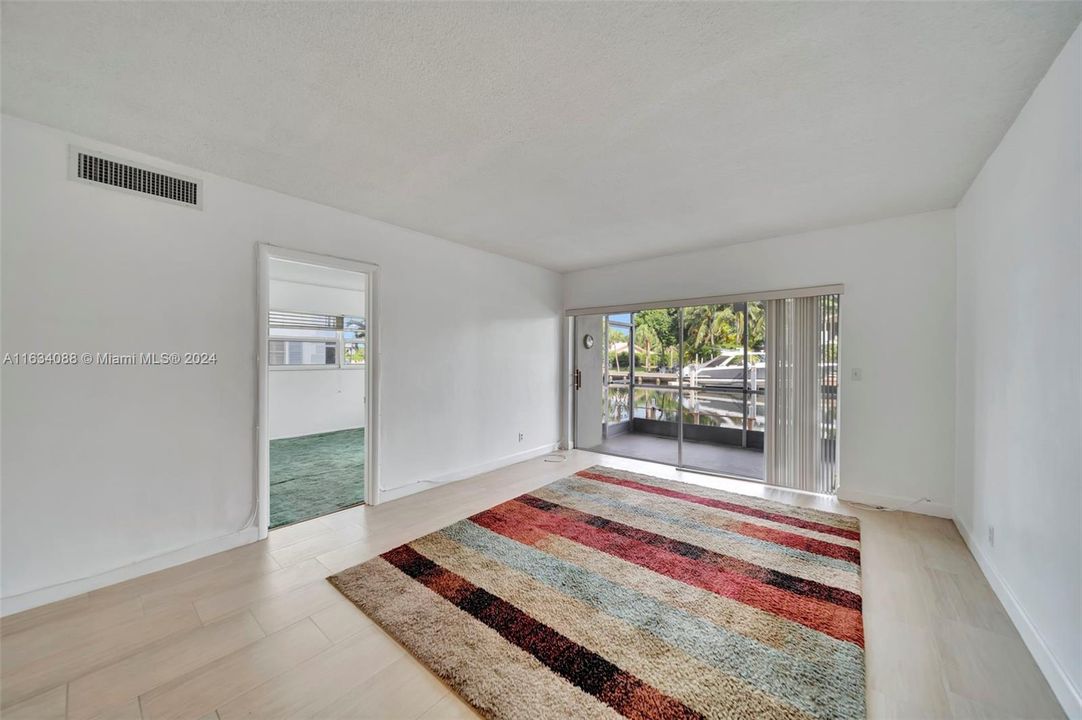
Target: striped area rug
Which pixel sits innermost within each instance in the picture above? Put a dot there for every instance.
(611, 594)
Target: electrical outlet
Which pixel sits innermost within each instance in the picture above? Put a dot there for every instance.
(992, 535)
(521, 437)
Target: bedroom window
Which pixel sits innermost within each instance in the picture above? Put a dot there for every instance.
(314, 341)
(353, 341)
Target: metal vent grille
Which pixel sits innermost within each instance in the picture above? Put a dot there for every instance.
(99, 169)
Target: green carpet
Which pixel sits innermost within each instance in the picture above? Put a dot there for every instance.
(313, 475)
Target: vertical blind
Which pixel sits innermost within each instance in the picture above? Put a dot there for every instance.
(802, 393)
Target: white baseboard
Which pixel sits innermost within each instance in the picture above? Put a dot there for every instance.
(1069, 696)
(417, 486)
(62, 591)
(896, 502)
(43, 596)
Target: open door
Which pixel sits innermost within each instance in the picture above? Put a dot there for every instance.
(588, 378)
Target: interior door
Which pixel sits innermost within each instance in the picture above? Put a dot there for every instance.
(588, 376)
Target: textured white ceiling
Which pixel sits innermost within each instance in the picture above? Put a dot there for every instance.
(565, 134)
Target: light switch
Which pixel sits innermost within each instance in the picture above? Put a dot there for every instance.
(856, 374)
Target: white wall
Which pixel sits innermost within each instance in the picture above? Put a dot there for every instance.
(106, 467)
(314, 400)
(897, 325)
(1019, 232)
(305, 402)
(292, 296)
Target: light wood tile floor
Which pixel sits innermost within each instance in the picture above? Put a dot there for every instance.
(258, 632)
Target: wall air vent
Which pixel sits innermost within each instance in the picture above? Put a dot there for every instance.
(99, 169)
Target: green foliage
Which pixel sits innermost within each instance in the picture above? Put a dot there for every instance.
(756, 326)
(708, 330)
(664, 323)
(647, 347)
(657, 334)
(618, 360)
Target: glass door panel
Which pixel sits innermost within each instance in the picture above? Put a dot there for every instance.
(656, 398)
(723, 365)
(712, 410)
(641, 399)
(657, 404)
(686, 387)
(756, 421)
(713, 435)
(617, 374)
(618, 406)
(714, 345)
(756, 374)
(656, 410)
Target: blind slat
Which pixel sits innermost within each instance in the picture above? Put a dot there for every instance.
(306, 321)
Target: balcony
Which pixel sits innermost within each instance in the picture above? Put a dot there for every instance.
(722, 422)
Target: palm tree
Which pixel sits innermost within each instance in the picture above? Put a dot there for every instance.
(756, 325)
(616, 337)
(646, 338)
(708, 328)
(695, 318)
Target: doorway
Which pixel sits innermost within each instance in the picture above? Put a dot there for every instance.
(672, 389)
(317, 360)
(687, 385)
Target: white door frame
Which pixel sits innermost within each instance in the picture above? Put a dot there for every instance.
(268, 252)
(567, 389)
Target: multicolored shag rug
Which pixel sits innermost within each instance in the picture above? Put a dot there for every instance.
(611, 594)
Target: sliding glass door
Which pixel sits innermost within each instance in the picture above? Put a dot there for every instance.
(680, 387)
(689, 386)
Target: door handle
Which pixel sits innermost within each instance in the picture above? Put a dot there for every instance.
(578, 379)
